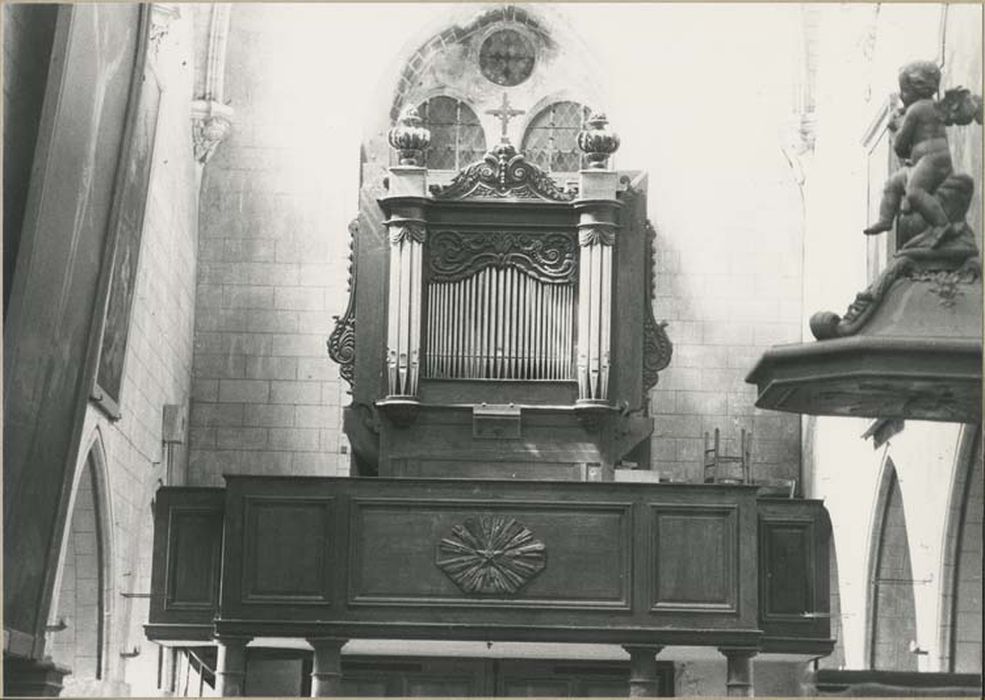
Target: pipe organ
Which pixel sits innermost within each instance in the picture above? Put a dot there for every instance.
(502, 325)
(501, 305)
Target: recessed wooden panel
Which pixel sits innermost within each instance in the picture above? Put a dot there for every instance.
(287, 550)
(587, 554)
(694, 559)
(194, 546)
(787, 575)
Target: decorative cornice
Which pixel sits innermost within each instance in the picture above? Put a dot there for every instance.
(342, 341)
(491, 555)
(503, 173)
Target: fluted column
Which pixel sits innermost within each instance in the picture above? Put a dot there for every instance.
(597, 205)
(406, 235)
(230, 672)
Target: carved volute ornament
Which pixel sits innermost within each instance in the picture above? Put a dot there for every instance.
(598, 141)
(410, 137)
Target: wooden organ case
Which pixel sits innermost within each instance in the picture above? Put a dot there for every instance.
(500, 325)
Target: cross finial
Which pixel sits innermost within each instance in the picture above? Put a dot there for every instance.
(505, 112)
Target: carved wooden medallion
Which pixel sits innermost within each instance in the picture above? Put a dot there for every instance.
(491, 555)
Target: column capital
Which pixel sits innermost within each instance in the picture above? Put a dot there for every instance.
(740, 652)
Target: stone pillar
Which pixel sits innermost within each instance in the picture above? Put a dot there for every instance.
(230, 671)
(406, 230)
(596, 206)
(643, 671)
(738, 680)
(326, 672)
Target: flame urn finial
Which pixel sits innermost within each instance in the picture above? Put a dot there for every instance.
(598, 141)
(410, 137)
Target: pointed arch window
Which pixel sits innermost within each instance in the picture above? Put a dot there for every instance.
(457, 138)
(551, 140)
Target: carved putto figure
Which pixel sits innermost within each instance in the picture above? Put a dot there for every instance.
(926, 199)
(926, 195)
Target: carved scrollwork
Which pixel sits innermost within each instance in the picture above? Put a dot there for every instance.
(491, 555)
(546, 257)
(503, 173)
(657, 350)
(342, 341)
(945, 282)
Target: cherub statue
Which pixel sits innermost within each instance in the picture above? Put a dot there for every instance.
(921, 142)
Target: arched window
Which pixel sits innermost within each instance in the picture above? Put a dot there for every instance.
(892, 604)
(457, 138)
(551, 141)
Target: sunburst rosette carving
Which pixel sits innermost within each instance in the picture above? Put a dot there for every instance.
(491, 555)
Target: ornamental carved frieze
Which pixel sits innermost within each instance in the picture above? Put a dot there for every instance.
(503, 173)
(401, 231)
(547, 257)
(491, 555)
(342, 341)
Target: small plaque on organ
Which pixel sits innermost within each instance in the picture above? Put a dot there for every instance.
(496, 421)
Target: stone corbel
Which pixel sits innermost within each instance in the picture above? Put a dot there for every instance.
(211, 123)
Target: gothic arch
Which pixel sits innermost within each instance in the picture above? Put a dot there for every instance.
(891, 603)
(81, 610)
(961, 561)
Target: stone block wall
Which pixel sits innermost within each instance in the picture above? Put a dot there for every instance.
(272, 269)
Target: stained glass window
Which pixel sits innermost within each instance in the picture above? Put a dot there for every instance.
(457, 138)
(551, 141)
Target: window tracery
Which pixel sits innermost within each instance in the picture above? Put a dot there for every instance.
(551, 139)
(457, 138)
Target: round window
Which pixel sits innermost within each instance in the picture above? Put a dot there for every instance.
(506, 57)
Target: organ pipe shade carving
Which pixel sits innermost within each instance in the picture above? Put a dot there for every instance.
(501, 305)
(551, 258)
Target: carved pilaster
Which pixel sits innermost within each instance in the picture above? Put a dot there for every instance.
(596, 238)
(406, 237)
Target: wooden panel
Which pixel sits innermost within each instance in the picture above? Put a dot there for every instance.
(194, 551)
(794, 598)
(588, 562)
(287, 546)
(695, 554)
(788, 562)
(188, 529)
